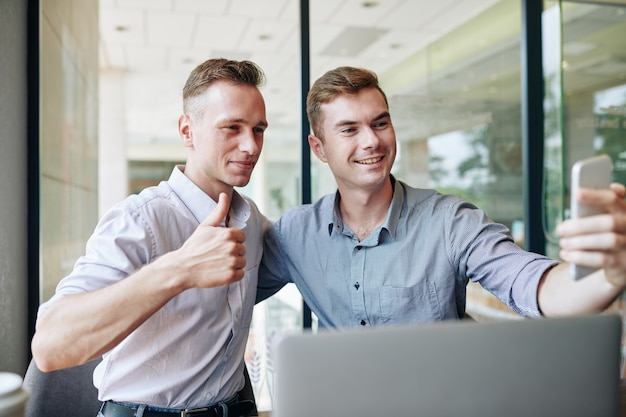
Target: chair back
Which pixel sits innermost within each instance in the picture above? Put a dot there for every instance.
(62, 393)
(70, 392)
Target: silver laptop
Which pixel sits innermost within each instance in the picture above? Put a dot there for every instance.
(544, 367)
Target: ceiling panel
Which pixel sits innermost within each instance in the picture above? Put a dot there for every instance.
(212, 7)
(357, 13)
(223, 33)
(265, 35)
(257, 9)
(165, 29)
(146, 58)
(416, 14)
(122, 27)
(145, 4)
(158, 42)
(457, 12)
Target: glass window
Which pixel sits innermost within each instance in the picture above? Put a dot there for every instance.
(586, 96)
(276, 183)
(594, 83)
(143, 174)
(589, 112)
(466, 117)
(454, 96)
(451, 71)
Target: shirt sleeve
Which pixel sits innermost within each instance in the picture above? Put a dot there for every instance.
(121, 243)
(272, 272)
(486, 253)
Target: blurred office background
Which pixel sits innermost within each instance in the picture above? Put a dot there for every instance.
(492, 100)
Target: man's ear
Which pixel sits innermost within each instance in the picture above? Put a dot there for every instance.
(184, 130)
(317, 146)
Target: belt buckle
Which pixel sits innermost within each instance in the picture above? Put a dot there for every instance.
(192, 411)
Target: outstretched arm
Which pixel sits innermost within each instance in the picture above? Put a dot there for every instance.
(596, 241)
(81, 327)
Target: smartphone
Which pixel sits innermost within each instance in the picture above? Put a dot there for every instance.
(594, 172)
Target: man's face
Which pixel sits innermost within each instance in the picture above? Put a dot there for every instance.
(359, 143)
(225, 138)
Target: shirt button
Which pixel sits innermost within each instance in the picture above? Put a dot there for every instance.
(359, 247)
(363, 323)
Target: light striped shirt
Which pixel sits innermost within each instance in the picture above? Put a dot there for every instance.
(190, 352)
(413, 268)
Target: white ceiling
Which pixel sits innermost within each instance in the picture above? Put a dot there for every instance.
(158, 42)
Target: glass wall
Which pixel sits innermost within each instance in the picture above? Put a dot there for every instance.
(594, 83)
(454, 100)
(585, 101)
(456, 106)
(451, 71)
(455, 103)
(68, 136)
(460, 123)
(585, 96)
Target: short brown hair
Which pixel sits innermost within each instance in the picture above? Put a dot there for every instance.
(216, 69)
(341, 80)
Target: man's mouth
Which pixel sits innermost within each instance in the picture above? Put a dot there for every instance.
(369, 161)
(244, 164)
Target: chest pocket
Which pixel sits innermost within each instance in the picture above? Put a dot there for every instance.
(403, 305)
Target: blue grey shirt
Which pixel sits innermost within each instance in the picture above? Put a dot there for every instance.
(413, 268)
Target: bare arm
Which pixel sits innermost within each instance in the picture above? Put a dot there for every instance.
(560, 295)
(81, 327)
(597, 241)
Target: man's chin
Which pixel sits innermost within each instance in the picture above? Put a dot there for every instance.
(240, 182)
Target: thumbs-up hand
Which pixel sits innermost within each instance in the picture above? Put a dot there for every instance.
(213, 255)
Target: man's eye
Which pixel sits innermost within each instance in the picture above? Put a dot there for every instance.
(348, 130)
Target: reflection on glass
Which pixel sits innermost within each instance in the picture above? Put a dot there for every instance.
(465, 172)
(459, 120)
(609, 108)
(594, 97)
(553, 121)
(594, 91)
(454, 98)
(280, 314)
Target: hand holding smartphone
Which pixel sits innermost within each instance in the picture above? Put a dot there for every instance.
(594, 172)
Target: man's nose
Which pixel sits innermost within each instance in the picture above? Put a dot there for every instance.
(369, 138)
(249, 143)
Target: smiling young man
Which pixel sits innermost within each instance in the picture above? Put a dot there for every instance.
(380, 252)
(165, 291)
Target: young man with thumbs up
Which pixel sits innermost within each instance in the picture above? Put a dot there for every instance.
(165, 291)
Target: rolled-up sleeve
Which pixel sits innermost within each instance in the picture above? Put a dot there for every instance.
(486, 253)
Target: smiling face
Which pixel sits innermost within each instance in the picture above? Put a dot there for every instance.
(357, 140)
(225, 137)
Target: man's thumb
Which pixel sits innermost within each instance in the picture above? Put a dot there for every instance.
(219, 213)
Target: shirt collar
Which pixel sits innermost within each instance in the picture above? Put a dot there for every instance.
(200, 204)
(395, 210)
(393, 214)
(335, 215)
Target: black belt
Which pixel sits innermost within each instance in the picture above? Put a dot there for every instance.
(236, 409)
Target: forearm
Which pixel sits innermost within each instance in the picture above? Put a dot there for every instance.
(81, 327)
(560, 295)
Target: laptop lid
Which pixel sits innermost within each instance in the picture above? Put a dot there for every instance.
(544, 367)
